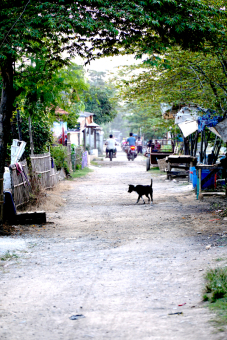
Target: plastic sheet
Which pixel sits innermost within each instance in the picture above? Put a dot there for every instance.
(208, 120)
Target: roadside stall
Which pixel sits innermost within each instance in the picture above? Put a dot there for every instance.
(203, 181)
(158, 149)
(203, 122)
(180, 162)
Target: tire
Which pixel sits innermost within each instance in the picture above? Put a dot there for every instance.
(133, 158)
(148, 164)
(111, 155)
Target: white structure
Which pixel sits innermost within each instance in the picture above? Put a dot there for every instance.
(17, 150)
(186, 119)
(86, 133)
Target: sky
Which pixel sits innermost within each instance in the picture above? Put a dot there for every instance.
(111, 64)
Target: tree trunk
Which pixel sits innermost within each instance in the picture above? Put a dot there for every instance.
(6, 109)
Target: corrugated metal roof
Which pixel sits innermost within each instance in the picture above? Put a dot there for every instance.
(86, 114)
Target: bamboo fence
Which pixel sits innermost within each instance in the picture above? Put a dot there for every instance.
(41, 166)
(20, 184)
(47, 176)
(54, 179)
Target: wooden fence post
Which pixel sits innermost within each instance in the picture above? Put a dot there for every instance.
(1, 198)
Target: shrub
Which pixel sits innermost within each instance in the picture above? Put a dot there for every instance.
(216, 283)
(216, 295)
(59, 153)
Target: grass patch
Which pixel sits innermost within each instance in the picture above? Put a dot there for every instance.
(155, 168)
(156, 171)
(216, 294)
(94, 163)
(81, 172)
(8, 256)
(219, 259)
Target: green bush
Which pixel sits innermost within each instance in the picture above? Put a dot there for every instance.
(216, 295)
(216, 285)
(59, 153)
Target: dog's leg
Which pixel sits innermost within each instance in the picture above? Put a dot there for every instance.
(139, 197)
(148, 197)
(143, 200)
(151, 194)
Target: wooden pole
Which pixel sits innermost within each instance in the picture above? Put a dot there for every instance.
(1, 197)
(201, 148)
(30, 135)
(200, 177)
(225, 170)
(85, 139)
(196, 142)
(94, 139)
(18, 124)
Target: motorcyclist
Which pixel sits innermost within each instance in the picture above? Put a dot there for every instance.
(123, 144)
(110, 145)
(131, 141)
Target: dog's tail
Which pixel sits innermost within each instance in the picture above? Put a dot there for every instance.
(151, 182)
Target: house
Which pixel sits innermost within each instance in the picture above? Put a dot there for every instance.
(87, 133)
(77, 134)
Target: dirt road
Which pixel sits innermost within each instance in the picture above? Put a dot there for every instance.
(125, 269)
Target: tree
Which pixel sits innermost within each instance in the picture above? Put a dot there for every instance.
(71, 95)
(31, 28)
(42, 134)
(100, 101)
(42, 91)
(100, 98)
(179, 77)
(146, 119)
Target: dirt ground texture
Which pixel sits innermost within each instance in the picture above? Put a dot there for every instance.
(124, 268)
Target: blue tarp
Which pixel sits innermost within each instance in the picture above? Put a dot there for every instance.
(208, 119)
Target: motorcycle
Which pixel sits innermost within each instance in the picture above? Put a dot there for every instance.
(111, 154)
(132, 154)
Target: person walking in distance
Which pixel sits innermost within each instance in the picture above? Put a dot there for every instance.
(139, 145)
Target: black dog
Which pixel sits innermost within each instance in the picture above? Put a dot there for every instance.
(142, 190)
